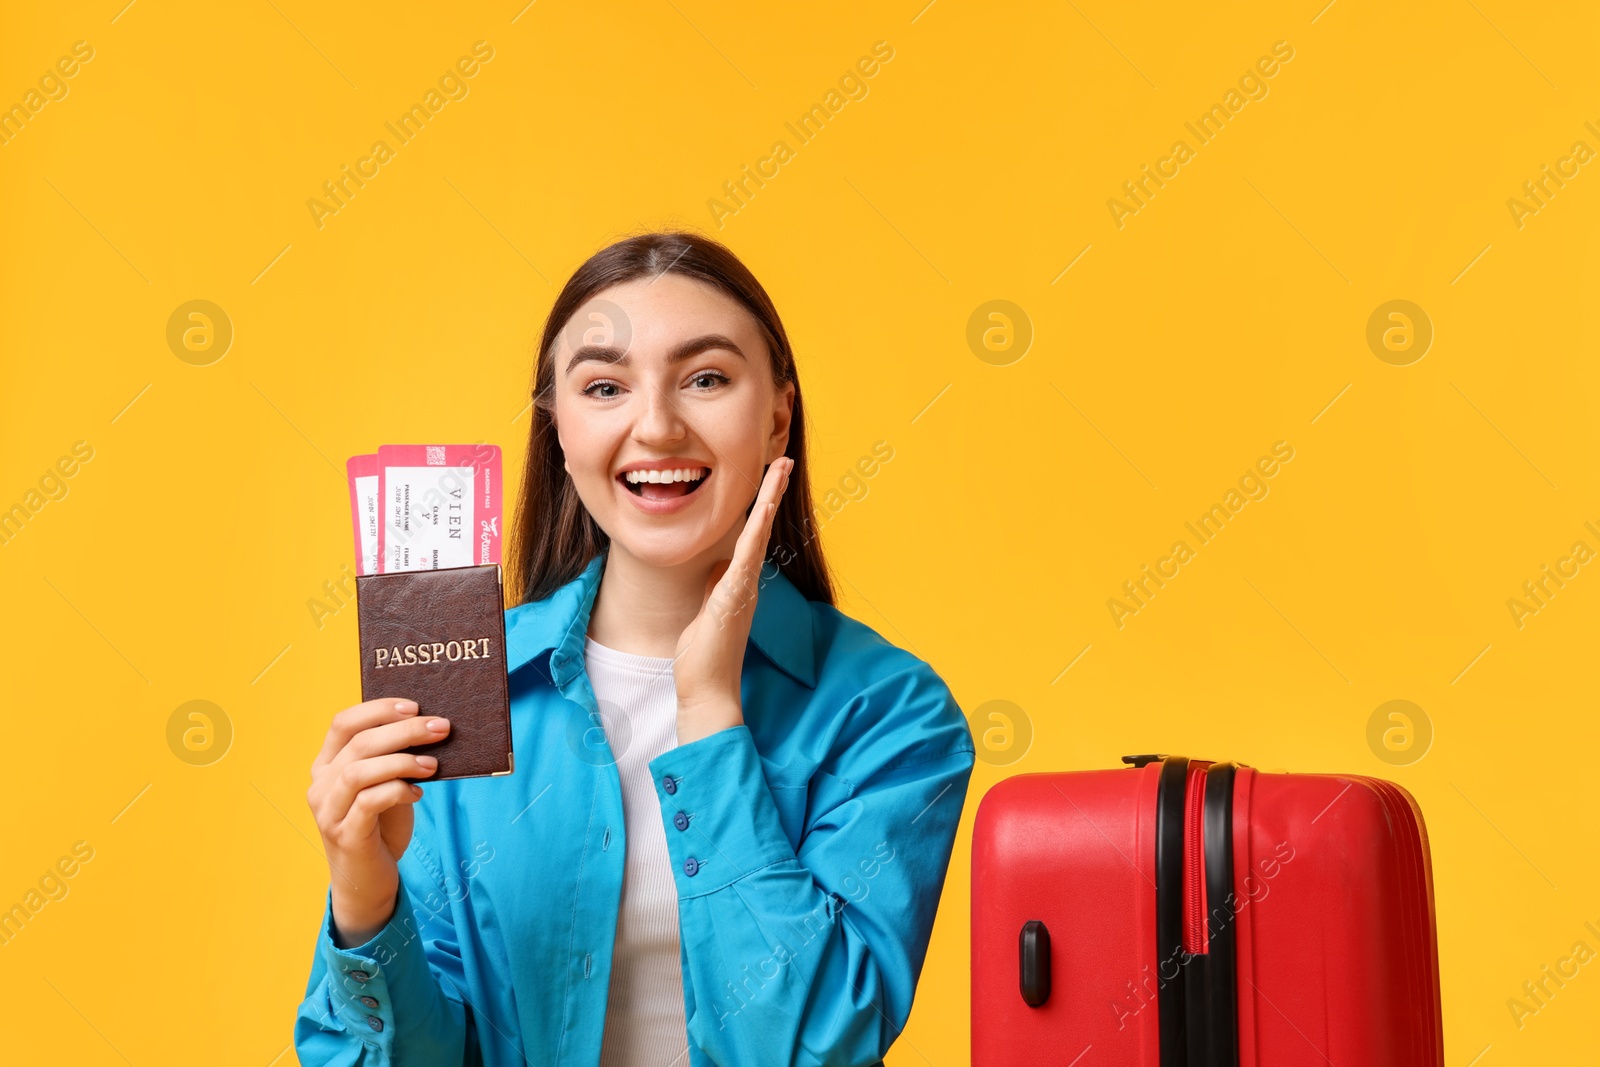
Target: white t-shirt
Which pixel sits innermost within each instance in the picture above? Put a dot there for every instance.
(644, 1008)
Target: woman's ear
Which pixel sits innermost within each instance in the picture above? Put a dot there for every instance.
(782, 418)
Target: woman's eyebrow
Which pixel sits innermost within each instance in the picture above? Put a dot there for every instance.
(685, 350)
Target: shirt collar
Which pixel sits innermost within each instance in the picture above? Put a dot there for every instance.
(559, 624)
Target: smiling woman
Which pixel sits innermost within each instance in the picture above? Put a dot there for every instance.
(736, 370)
(729, 757)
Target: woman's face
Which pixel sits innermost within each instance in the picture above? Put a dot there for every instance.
(667, 414)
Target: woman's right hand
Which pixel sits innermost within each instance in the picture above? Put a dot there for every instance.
(363, 809)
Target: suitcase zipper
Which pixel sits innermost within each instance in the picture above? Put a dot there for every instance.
(1194, 910)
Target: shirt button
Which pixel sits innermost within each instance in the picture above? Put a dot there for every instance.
(360, 976)
(371, 1002)
(681, 821)
(691, 866)
(375, 1022)
(668, 784)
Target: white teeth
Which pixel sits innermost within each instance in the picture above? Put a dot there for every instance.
(682, 474)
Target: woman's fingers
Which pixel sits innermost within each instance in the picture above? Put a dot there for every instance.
(392, 737)
(329, 799)
(353, 720)
(740, 582)
(776, 480)
(737, 588)
(372, 802)
(347, 784)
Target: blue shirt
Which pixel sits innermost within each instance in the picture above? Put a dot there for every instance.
(809, 847)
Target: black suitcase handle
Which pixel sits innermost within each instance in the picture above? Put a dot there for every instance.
(1196, 1000)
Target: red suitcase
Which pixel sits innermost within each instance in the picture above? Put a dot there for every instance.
(1181, 913)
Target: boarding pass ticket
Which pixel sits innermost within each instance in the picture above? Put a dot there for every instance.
(425, 507)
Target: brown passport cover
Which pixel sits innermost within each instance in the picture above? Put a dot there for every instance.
(438, 637)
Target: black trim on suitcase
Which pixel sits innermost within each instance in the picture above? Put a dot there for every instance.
(1173, 784)
(1219, 887)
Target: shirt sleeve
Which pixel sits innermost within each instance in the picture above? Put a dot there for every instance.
(395, 1000)
(810, 956)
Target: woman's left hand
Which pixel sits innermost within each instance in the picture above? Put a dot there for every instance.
(709, 660)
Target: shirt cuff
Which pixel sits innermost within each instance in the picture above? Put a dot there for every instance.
(373, 985)
(720, 818)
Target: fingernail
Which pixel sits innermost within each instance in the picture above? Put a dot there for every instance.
(427, 763)
(406, 707)
(439, 726)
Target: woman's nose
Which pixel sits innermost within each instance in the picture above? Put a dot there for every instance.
(659, 420)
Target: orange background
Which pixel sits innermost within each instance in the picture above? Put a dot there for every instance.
(1167, 354)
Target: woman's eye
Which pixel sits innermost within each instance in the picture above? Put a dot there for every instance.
(604, 390)
(708, 379)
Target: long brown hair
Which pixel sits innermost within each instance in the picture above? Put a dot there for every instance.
(555, 536)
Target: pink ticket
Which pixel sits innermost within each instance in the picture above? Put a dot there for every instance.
(440, 506)
(364, 513)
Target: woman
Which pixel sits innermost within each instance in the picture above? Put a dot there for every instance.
(733, 806)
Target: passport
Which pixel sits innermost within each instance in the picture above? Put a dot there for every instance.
(438, 637)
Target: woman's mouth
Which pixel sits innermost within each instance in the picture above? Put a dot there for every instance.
(664, 484)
